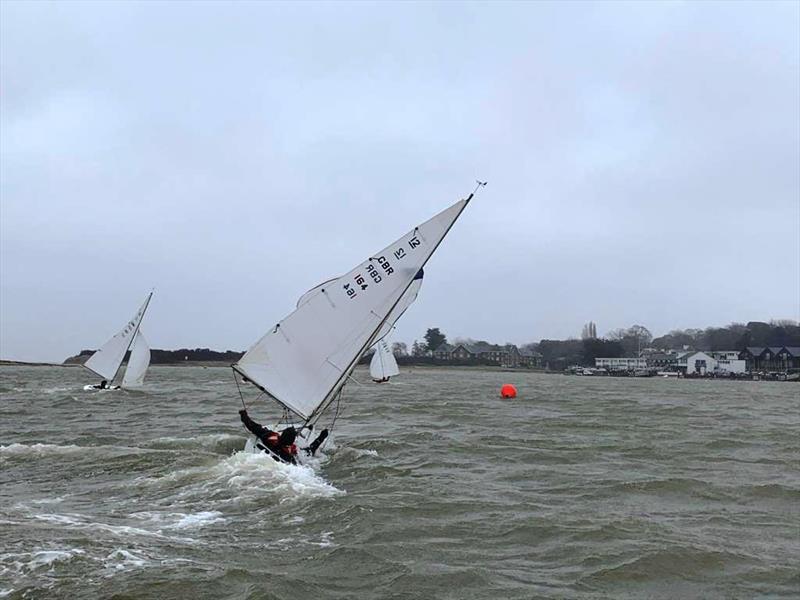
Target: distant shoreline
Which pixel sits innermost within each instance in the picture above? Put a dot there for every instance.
(221, 364)
(187, 363)
(22, 363)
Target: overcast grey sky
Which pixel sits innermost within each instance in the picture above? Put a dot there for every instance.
(643, 163)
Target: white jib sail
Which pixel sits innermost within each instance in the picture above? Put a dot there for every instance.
(137, 363)
(406, 301)
(383, 364)
(305, 359)
(106, 361)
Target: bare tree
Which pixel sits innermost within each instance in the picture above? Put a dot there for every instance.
(399, 349)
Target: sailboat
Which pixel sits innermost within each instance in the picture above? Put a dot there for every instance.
(106, 361)
(383, 364)
(303, 363)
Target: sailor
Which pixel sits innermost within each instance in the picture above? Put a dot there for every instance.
(281, 444)
(103, 385)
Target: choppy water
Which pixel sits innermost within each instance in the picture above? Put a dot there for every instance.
(433, 488)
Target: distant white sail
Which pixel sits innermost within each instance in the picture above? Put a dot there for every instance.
(406, 301)
(306, 358)
(106, 361)
(383, 364)
(137, 363)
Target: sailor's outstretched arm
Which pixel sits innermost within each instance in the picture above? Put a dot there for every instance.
(251, 425)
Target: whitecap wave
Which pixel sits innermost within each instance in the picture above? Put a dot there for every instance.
(258, 473)
(121, 560)
(365, 452)
(244, 476)
(27, 562)
(39, 449)
(57, 390)
(179, 520)
(124, 531)
(210, 442)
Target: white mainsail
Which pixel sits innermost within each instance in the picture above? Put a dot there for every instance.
(406, 301)
(106, 361)
(306, 358)
(137, 363)
(315, 290)
(383, 364)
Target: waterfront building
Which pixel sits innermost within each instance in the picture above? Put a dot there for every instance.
(620, 364)
(443, 352)
(771, 359)
(705, 363)
(507, 355)
(662, 360)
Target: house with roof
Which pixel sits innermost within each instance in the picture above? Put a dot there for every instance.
(696, 362)
(661, 360)
(530, 358)
(507, 355)
(620, 363)
(710, 363)
(443, 352)
(771, 358)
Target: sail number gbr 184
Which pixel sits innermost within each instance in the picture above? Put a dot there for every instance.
(375, 274)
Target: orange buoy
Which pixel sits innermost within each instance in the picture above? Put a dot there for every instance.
(508, 391)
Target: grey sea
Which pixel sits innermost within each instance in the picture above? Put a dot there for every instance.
(432, 487)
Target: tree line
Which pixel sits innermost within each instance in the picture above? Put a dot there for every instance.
(556, 354)
(629, 342)
(171, 357)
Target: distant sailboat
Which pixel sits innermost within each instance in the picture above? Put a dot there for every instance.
(305, 360)
(383, 364)
(108, 359)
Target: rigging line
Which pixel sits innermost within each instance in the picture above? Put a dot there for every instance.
(351, 378)
(335, 416)
(241, 397)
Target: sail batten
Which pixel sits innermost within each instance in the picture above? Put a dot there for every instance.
(304, 362)
(106, 361)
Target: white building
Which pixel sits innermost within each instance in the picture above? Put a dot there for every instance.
(620, 364)
(702, 363)
(696, 363)
(725, 365)
(725, 354)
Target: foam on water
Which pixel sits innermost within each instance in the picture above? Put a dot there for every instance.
(86, 524)
(179, 520)
(256, 474)
(22, 562)
(221, 443)
(121, 560)
(40, 450)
